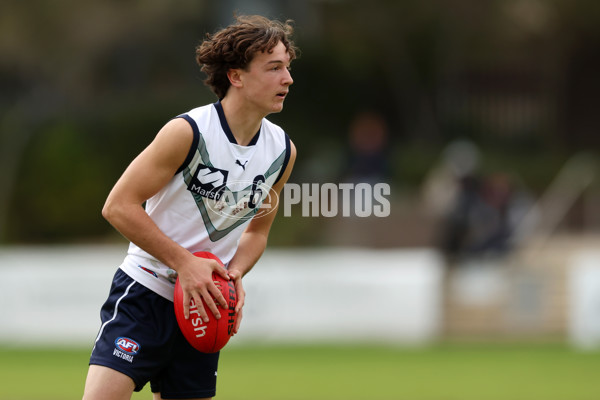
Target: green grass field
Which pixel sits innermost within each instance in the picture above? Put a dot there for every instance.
(445, 372)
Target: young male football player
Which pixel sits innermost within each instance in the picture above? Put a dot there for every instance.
(209, 180)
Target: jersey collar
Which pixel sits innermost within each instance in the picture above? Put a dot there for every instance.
(227, 130)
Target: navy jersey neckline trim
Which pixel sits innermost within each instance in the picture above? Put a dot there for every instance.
(227, 129)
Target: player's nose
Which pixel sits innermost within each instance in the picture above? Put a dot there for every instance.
(287, 79)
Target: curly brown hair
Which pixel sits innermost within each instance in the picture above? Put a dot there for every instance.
(235, 46)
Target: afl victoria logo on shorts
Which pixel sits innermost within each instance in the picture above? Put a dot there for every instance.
(208, 182)
(127, 345)
(126, 348)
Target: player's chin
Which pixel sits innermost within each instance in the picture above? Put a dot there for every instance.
(277, 107)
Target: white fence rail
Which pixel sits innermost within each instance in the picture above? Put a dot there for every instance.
(52, 295)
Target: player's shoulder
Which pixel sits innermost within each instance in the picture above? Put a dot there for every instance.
(199, 112)
(272, 126)
(274, 132)
(201, 119)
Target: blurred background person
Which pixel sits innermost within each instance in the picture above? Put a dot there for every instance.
(368, 149)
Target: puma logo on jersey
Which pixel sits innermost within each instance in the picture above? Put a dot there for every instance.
(238, 162)
(208, 182)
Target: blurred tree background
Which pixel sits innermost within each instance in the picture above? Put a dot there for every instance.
(85, 85)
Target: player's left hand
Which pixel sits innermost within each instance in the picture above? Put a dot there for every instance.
(236, 277)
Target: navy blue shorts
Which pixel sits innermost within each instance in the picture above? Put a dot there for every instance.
(140, 337)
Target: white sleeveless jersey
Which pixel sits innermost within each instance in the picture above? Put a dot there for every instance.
(213, 196)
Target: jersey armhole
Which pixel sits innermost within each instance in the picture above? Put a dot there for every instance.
(195, 140)
(286, 160)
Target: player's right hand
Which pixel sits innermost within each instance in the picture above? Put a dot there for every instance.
(195, 278)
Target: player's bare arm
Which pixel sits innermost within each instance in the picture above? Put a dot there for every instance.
(254, 239)
(144, 177)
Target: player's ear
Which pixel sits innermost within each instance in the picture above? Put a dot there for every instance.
(234, 77)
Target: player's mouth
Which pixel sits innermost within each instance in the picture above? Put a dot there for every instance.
(282, 95)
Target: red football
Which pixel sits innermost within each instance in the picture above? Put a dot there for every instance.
(212, 336)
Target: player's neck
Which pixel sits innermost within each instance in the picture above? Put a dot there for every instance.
(243, 120)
